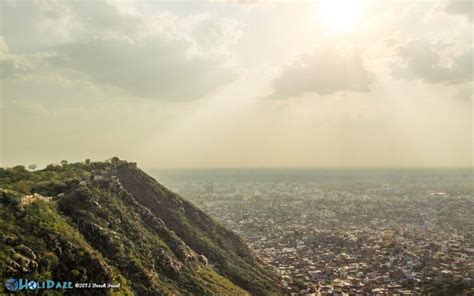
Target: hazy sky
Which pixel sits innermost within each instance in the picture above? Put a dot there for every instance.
(237, 83)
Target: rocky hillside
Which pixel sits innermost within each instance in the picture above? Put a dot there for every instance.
(111, 222)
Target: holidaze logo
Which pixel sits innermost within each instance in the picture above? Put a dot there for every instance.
(13, 285)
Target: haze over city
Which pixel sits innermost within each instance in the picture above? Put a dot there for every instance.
(237, 83)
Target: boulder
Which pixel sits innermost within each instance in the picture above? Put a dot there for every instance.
(203, 260)
(24, 250)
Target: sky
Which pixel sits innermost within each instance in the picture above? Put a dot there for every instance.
(328, 83)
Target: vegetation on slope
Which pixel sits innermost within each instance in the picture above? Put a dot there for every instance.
(38, 243)
(110, 222)
(225, 250)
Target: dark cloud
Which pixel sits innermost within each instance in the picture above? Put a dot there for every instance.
(421, 60)
(158, 56)
(323, 72)
(461, 7)
(158, 68)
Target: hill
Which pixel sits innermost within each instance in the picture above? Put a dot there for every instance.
(109, 222)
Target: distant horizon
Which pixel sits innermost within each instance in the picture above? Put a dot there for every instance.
(309, 168)
(143, 166)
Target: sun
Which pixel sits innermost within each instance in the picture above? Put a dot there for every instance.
(341, 15)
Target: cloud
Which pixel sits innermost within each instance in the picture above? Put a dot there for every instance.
(461, 7)
(434, 63)
(323, 72)
(158, 55)
(156, 68)
(32, 107)
(11, 66)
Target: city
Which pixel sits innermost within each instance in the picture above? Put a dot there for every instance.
(345, 234)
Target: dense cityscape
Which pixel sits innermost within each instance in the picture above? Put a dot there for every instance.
(349, 233)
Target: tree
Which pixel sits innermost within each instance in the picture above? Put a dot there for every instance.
(115, 160)
(19, 168)
(32, 167)
(87, 161)
(64, 163)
